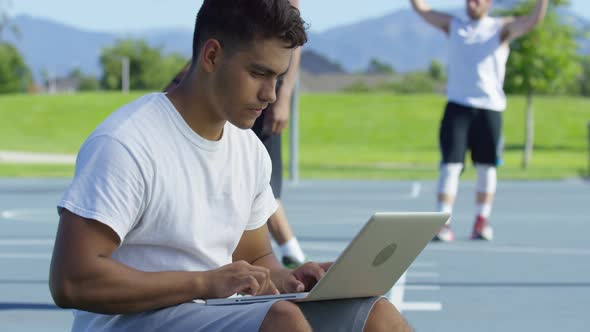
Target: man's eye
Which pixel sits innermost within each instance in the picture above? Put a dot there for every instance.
(258, 74)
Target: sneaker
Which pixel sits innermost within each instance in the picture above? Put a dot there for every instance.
(482, 230)
(444, 235)
(291, 262)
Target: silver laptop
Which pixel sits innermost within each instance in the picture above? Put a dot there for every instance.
(371, 264)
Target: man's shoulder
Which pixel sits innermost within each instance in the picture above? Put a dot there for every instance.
(126, 120)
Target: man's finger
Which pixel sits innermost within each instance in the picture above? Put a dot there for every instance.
(276, 124)
(294, 285)
(263, 278)
(313, 270)
(272, 289)
(249, 285)
(280, 126)
(326, 265)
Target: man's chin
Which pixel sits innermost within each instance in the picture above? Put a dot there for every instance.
(475, 14)
(243, 124)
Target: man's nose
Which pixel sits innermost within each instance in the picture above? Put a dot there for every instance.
(268, 92)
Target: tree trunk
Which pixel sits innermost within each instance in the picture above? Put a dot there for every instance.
(529, 131)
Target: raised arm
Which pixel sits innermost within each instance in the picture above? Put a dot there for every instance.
(437, 19)
(518, 26)
(84, 276)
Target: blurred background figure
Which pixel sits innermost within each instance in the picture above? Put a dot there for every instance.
(478, 53)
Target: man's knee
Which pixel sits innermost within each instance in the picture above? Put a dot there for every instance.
(385, 317)
(284, 315)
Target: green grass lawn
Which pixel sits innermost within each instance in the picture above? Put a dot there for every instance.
(342, 136)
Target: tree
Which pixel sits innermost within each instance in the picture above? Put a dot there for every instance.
(378, 67)
(149, 69)
(436, 71)
(15, 76)
(168, 67)
(85, 82)
(414, 82)
(540, 62)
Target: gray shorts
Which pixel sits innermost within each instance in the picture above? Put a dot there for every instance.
(337, 315)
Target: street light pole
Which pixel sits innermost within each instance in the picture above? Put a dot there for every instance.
(294, 135)
(125, 74)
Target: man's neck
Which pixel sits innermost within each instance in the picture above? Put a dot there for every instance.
(478, 19)
(197, 111)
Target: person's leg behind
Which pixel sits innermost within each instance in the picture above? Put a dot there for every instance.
(278, 225)
(453, 138)
(484, 139)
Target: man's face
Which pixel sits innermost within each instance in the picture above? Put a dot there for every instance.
(246, 80)
(476, 9)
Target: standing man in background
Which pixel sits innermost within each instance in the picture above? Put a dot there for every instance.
(478, 52)
(268, 127)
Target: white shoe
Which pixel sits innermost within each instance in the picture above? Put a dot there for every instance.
(482, 230)
(445, 234)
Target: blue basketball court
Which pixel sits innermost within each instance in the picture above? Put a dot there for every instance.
(535, 275)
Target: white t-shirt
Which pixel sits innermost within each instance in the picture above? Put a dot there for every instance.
(176, 200)
(477, 63)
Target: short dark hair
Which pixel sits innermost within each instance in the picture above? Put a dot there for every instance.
(236, 23)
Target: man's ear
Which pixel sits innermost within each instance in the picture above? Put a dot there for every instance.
(211, 54)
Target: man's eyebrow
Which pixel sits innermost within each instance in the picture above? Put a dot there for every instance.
(266, 70)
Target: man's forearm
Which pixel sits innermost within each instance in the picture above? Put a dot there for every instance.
(291, 77)
(435, 18)
(268, 261)
(113, 288)
(517, 27)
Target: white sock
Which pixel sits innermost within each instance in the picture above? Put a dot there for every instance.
(292, 248)
(446, 208)
(484, 209)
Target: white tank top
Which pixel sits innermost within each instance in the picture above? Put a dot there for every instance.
(477, 63)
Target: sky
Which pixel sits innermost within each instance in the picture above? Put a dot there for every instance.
(133, 15)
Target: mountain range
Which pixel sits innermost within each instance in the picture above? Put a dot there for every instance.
(401, 39)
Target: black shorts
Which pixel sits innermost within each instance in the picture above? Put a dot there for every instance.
(272, 142)
(476, 129)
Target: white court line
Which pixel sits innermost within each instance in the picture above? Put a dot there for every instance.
(30, 215)
(24, 256)
(515, 250)
(423, 274)
(415, 193)
(425, 265)
(26, 242)
(396, 294)
(423, 287)
(421, 306)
